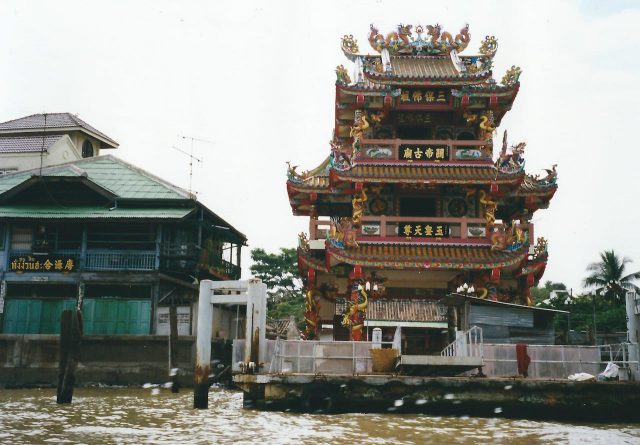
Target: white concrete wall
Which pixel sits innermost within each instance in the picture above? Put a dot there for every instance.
(62, 151)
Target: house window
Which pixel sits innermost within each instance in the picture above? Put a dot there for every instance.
(87, 149)
(21, 238)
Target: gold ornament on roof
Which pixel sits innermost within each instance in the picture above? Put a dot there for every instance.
(303, 241)
(541, 246)
(512, 76)
(349, 44)
(405, 41)
(489, 46)
(342, 75)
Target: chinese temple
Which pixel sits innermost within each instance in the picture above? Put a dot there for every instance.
(417, 198)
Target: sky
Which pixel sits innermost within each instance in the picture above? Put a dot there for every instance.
(255, 80)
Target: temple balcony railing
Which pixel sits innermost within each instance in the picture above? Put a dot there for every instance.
(399, 229)
(430, 229)
(424, 151)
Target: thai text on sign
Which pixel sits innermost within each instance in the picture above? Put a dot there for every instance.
(424, 152)
(424, 230)
(48, 264)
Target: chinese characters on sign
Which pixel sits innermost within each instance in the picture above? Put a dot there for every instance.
(427, 97)
(424, 230)
(48, 264)
(413, 118)
(424, 152)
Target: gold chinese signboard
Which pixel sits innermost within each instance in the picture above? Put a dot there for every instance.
(424, 230)
(424, 152)
(29, 263)
(424, 97)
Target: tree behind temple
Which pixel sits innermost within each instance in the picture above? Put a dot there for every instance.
(609, 279)
(284, 287)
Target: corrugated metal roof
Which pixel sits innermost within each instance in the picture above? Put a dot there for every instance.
(53, 121)
(406, 310)
(51, 212)
(27, 144)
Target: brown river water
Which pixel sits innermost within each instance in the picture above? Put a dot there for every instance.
(137, 416)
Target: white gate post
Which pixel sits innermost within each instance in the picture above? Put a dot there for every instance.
(255, 341)
(203, 346)
(248, 332)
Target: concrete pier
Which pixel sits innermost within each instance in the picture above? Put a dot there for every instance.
(485, 397)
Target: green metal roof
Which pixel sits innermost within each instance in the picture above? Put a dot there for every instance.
(122, 179)
(53, 212)
(125, 181)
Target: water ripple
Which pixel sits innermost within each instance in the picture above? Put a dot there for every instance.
(133, 416)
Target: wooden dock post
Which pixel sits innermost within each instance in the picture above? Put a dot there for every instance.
(203, 347)
(173, 349)
(69, 350)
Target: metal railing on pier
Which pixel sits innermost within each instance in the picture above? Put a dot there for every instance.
(468, 344)
(313, 357)
(560, 361)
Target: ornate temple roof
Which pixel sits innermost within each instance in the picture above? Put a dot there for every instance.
(441, 173)
(431, 174)
(419, 55)
(411, 256)
(536, 187)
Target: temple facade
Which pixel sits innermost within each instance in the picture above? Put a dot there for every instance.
(416, 199)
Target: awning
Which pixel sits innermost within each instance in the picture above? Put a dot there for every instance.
(404, 324)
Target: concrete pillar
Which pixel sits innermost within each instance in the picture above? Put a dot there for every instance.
(248, 332)
(633, 333)
(256, 323)
(203, 347)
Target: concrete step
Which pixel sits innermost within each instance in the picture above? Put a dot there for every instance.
(436, 365)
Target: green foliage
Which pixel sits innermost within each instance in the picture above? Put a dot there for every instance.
(540, 294)
(608, 277)
(279, 271)
(610, 316)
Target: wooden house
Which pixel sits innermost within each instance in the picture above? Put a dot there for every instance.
(108, 237)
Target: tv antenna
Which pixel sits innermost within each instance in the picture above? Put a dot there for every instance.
(191, 156)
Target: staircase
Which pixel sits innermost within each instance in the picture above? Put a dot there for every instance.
(464, 354)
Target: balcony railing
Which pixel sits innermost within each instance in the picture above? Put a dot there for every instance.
(424, 150)
(422, 227)
(426, 229)
(120, 260)
(186, 260)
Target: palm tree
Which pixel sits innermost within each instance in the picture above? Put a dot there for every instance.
(608, 278)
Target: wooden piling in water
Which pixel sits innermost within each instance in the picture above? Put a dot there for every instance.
(173, 349)
(69, 350)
